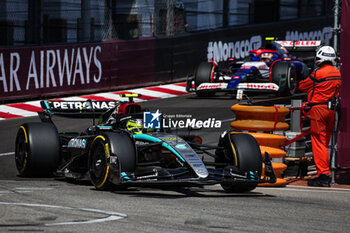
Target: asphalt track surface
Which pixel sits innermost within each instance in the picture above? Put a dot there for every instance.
(50, 205)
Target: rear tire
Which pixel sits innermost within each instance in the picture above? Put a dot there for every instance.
(284, 75)
(242, 151)
(203, 75)
(37, 151)
(110, 155)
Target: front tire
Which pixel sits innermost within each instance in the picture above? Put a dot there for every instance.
(243, 152)
(110, 155)
(284, 75)
(203, 74)
(37, 151)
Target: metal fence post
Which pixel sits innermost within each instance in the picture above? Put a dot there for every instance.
(295, 116)
(333, 148)
(170, 18)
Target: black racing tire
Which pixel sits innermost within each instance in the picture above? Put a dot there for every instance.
(243, 152)
(203, 75)
(37, 152)
(284, 75)
(107, 147)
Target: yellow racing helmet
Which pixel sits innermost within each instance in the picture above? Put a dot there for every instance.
(134, 126)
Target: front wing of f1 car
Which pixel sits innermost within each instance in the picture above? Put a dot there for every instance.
(224, 87)
(192, 170)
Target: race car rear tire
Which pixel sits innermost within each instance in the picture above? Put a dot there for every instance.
(243, 152)
(203, 74)
(284, 75)
(110, 155)
(37, 152)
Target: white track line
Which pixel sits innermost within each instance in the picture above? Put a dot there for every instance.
(7, 154)
(111, 215)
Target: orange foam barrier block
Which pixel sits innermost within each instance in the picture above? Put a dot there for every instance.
(266, 139)
(260, 112)
(273, 152)
(279, 183)
(259, 125)
(259, 118)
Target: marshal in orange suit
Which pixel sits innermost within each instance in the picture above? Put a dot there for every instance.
(322, 87)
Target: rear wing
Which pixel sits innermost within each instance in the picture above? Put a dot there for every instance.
(78, 109)
(302, 46)
(88, 108)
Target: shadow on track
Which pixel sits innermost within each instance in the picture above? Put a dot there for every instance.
(184, 192)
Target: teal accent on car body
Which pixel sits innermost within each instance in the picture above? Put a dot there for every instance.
(252, 176)
(125, 176)
(104, 127)
(150, 138)
(47, 105)
(146, 137)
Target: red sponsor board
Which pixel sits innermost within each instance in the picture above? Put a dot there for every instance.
(74, 68)
(299, 43)
(343, 158)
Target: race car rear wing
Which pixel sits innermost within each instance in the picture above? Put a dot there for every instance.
(89, 108)
(78, 109)
(305, 46)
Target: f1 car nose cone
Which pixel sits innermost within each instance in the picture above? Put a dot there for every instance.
(202, 172)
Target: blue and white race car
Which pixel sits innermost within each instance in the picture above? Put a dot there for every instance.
(272, 69)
